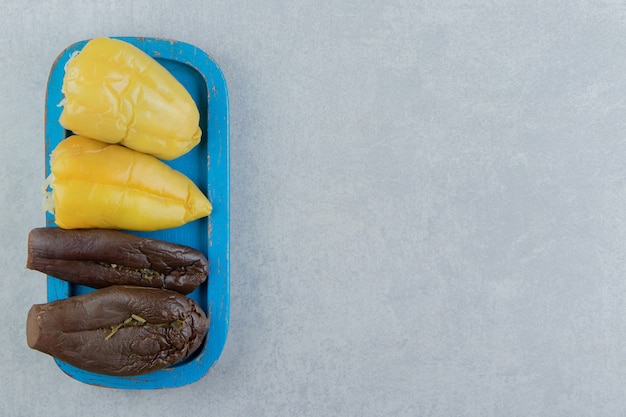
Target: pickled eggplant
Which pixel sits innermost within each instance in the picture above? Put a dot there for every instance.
(99, 258)
(119, 330)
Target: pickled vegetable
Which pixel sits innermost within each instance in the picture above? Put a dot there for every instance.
(116, 93)
(100, 258)
(119, 330)
(97, 185)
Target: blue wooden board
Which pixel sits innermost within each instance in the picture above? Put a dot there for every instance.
(208, 166)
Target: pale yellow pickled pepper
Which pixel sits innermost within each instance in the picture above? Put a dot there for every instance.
(99, 185)
(116, 93)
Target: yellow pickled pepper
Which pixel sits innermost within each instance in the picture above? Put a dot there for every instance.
(99, 185)
(116, 93)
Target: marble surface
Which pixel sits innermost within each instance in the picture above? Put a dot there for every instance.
(428, 206)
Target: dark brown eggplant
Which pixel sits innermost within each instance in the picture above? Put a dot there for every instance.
(98, 258)
(119, 330)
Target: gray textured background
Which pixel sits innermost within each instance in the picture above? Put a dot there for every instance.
(428, 206)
